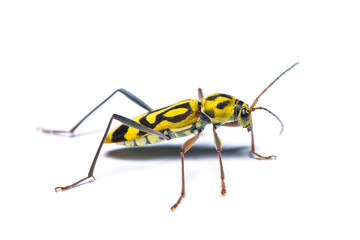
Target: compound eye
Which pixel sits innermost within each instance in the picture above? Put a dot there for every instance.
(245, 115)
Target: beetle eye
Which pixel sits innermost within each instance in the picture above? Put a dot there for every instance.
(245, 115)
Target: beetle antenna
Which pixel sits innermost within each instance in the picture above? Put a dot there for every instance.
(256, 99)
(262, 108)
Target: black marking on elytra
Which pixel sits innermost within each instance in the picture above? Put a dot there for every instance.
(119, 134)
(179, 118)
(213, 97)
(222, 105)
(161, 117)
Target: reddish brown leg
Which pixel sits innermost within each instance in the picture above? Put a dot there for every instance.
(92, 168)
(237, 124)
(232, 124)
(123, 120)
(186, 147)
(218, 145)
(256, 154)
(200, 94)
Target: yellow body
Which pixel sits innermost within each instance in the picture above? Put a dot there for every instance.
(181, 119)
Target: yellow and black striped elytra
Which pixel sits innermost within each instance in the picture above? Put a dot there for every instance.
(182, 119)
(177, 120)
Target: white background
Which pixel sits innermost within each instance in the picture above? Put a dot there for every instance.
(59, 59)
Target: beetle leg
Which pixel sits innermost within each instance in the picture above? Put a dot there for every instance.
(237, 124)
(186, 147)
(256, 154)
(218, 145)
(129, 95)
(125, 121)
(232, 124)
(200, 94)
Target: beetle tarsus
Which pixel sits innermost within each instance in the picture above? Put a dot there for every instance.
(177, 203)
(76, 184)
(56, 132)
(223, 189)
(272, 157)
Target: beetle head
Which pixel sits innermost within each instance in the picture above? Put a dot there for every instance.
(244, 115)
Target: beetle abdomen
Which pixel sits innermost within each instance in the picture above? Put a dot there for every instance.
(172, 133)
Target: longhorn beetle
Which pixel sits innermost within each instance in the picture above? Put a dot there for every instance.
(177, 120)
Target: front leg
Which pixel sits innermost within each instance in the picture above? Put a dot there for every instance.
(256, 154)
(237, 124)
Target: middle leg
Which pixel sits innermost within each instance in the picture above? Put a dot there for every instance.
(200, 94)
(186, 147)
(218, 145)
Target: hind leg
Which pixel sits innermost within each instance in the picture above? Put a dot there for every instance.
(129, 95)
(125, 121)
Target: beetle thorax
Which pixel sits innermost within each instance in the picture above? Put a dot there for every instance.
(220, 108)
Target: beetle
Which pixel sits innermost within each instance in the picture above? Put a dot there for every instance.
(185, 118)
